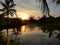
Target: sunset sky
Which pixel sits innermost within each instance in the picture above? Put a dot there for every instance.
(31, 7)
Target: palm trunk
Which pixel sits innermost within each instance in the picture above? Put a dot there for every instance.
(17, 19)
(7, 24)
(16, 16)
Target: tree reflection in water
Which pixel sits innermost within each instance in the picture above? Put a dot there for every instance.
(4, 40)
(16, 32)
(27, 28)
(58, 36)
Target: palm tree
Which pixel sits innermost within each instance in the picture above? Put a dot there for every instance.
(8, 10)
(45, 7)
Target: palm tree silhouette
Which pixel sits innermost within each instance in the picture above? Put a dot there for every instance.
(45, 7)
(8, 9)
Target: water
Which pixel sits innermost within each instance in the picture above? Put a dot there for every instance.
(34, 35)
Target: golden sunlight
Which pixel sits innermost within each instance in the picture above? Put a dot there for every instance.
(24, 16)
(23, 28)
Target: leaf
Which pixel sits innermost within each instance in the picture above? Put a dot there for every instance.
(45, 7)
(7, 2)
(2, 10)
(13, 10)
(3, 14)
(12, 5)
(16, 15)
(11, 1)
(11, 13)
(4, 5)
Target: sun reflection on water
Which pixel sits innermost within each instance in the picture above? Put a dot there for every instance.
(23, 29)
(26, 29)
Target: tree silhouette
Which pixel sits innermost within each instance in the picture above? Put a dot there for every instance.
(57, 1)
(45, 7)
(8, 9)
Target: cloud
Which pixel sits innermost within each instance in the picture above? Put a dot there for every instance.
(32, 7)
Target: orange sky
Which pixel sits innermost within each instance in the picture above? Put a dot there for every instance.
(31, 7)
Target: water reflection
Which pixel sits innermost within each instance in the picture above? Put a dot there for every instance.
(27, 33)
(27, 29)
(23, 28)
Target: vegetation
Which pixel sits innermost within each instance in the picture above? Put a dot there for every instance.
(12, 23)
(45, 7)
(45, 23)
(7, 10)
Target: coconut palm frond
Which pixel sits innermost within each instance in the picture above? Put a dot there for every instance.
(7, 2)
(12, 5)
(3, 14)
(4, 5)
(13, 10)
(11, 13)
(16, 15)
(2, 10)
(45, 7)
(7, 7)
(11, 1)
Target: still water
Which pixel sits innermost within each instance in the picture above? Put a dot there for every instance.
(34, 35)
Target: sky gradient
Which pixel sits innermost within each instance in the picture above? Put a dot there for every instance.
(32, 7)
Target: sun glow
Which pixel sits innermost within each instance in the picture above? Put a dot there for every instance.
(24, 16)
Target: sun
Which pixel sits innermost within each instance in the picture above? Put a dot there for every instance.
(24, 16)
